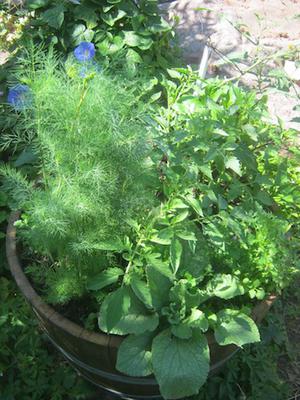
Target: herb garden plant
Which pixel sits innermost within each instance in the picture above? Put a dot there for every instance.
(172, 218)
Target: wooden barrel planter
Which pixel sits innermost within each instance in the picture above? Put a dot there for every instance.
(93, 354)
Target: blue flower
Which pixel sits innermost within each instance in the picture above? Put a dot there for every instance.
(85, 51)
(19, 97)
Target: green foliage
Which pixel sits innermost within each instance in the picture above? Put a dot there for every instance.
(170, 354)
(235, 327)
(29, 369)
(95, 161)
(134, 28)
(175, 227)
(134, 355)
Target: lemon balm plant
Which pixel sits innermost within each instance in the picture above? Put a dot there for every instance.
(173, 218)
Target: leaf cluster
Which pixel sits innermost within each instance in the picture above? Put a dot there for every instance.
(177, 223)
(226, 228)
(135, 28)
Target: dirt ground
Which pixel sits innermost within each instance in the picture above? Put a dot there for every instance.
(272, 25)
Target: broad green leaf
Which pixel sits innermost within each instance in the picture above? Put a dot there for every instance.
(109, 47)
(246, 157)
(234, 164)
(198, 320)
(164, 236)
(159, 285)
(175, 254)
(118, 304)
(155, 97)
(136, 320)
(54, 16)
(186, 235)
(87, 14)
(158, 25)
(206, 170)
(180, 366)
(180, 217)
(133, 56)
(132, 39)
(188, 105)
(225, 286)
(134, 355)
(174, 74)
(104, 279)
(234, 327)
(76, 32)
(195, 204)
(220, 132)
(35, 4)
(182, 331)
(251, 132)
(177, 203)
(111, 18)
(141, 290)
(264, 198)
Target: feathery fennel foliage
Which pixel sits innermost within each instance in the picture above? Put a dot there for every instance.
(94, 172)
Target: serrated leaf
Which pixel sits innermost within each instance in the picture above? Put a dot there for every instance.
(118, 304)
(141, 290)
(136, 320)
(134, 355)
(104, 279)
(233, 163)
(195, 204)
(180, 366)
(175, 254)
(186, 235)
(234, 327)
(164, 236)
(206, 170)
(264, 198)
(225, 286)
(180, 217)
(160, 285)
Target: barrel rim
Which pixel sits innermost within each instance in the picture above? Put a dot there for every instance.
(113, 341)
